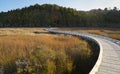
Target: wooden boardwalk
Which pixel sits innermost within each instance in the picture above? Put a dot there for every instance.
(111, 58)
(110, 63)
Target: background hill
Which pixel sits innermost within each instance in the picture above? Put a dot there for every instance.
(48, 15)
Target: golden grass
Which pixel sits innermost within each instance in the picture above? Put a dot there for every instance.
(14, 47)
(20, 31)
(47, 53)
(110, 33)
(113, 33)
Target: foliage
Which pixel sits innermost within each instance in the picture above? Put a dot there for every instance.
(47, 15)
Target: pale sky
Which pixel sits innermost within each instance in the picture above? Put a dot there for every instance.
(6, 5)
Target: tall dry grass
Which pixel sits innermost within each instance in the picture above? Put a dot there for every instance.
(113, 33)
(48, 54)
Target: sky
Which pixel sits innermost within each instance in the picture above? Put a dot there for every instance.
(85, 5)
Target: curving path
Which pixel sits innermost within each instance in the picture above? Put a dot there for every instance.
(109, 57)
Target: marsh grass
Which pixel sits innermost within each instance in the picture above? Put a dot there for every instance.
(46, 54)
(109, 32)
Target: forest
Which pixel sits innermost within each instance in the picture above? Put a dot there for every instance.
(51, 15)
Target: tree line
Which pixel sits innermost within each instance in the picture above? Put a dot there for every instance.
(48, 15)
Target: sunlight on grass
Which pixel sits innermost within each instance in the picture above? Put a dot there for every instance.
(42, 54)
(113, 33)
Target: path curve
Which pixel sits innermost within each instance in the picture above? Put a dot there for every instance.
(109, 57)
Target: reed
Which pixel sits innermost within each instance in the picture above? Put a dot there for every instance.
(45, 54)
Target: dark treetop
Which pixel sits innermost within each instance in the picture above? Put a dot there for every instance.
(57, 16)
